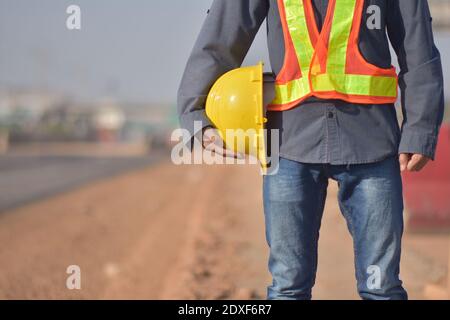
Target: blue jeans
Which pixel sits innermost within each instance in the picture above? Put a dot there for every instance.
(370, 198)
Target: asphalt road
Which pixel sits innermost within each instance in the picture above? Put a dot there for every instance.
(24, 179)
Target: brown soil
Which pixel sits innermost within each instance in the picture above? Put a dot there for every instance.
(170, 232)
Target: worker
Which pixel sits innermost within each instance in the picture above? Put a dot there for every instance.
(335, 90)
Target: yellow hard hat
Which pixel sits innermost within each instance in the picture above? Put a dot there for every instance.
(235, 107)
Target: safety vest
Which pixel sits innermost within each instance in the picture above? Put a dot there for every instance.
(328, 64)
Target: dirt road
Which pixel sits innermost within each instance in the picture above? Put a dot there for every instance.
(169, 232)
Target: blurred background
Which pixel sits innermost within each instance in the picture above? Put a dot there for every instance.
(86, 178)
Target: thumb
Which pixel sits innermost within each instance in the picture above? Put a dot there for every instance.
(404, 160)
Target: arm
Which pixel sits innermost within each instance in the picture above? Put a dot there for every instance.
(222, 45)
(420, 80)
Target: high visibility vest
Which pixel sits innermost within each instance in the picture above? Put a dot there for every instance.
(328, 64)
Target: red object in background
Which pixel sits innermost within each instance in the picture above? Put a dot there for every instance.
(427, 193)
(106, 135)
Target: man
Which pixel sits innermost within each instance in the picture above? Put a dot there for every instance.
(334, 107)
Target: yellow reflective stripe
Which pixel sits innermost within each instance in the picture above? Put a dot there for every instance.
(335, 79)
(292, 91)
(344, 13)
(304, 50)
(352, 84)
(298, 28)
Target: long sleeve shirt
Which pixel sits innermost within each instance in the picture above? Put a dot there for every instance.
(329, 131)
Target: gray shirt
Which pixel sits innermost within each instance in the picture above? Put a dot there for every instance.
(329, 131)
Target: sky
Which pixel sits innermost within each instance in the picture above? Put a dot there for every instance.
(131, 50)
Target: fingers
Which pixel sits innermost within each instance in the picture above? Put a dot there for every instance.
(213, 142)
(417, 163)
(230, 154)
(210, 136)
(404, 160)
(214, 148)
(412, 162)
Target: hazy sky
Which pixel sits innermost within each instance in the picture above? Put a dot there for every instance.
(134, 50)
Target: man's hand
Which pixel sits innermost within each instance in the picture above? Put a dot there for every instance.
(213, 142)
(413, 162)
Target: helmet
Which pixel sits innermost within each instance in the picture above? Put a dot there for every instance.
(235, 107)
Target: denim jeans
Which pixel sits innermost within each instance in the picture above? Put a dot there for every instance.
(370, 198)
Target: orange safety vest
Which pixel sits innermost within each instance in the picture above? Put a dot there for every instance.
(329, 64)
